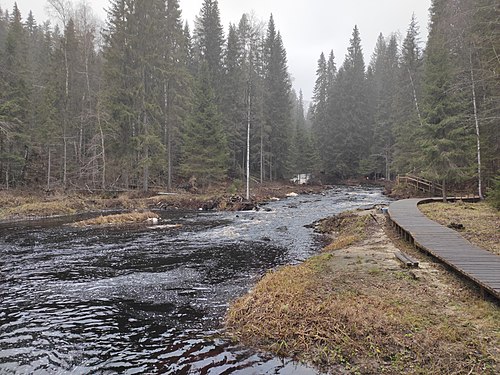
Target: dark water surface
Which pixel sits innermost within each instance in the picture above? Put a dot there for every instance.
(148, 299)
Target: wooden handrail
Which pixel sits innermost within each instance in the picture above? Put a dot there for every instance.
(421, 183)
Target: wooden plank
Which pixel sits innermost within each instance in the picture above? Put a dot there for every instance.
(406, 259)
(479, 265)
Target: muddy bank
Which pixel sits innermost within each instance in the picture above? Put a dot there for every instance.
(355, 309)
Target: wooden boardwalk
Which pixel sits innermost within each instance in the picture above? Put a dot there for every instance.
(473, 262)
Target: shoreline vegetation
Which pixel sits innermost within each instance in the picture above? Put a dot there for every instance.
(25, 205)
(350, 309)
(354, 309)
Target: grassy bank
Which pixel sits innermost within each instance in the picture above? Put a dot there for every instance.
(353, 309)
(23, 204)
(477, 222)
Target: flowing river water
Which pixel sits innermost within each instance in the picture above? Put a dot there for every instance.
(147, 300)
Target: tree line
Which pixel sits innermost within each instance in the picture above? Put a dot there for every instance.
(145, 101)
(430, 111)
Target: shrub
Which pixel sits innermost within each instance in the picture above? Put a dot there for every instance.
(494, 194)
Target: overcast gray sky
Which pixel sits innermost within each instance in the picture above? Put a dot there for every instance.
(307, 27)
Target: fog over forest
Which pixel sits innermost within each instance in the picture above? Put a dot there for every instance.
(151, 102)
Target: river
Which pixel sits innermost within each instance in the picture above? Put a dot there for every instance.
(151, 299)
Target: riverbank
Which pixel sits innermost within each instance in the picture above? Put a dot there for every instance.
(354, 309)
(24, 204)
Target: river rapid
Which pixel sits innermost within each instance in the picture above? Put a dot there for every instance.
(147, 300)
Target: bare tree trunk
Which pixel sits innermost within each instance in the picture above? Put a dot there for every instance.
(49, 167)
(65, 158)
(261, 155)
(270, 168)
(167, 137)
(145, 181)
(248, 143)
(445, 198)
(415, 98)
(478, 138)
(387, 166)
(103, 179)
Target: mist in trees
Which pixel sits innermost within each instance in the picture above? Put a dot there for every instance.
(415, 110)
(142, 100)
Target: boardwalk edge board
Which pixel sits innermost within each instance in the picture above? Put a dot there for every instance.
(478, 265)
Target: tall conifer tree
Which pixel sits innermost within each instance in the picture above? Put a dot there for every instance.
(277, 103)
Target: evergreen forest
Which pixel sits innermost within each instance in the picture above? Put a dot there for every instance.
(145, 102)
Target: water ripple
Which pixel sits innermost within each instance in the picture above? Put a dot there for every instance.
(148, 300)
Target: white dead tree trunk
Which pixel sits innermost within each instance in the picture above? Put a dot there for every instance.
(415, 98)
(249, 103)
(476, 120)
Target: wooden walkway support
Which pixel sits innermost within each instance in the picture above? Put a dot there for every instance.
(473, 262)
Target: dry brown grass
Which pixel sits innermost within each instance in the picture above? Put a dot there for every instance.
(355, 310)
(118, 219)
(481, 222)
(23, 205)
(20, 205)
(345, 229)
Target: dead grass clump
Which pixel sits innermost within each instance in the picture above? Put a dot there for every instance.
(354, 310)
(118, 219)
(481, 222)
(365, 322)
(345, 229)
(38, 209)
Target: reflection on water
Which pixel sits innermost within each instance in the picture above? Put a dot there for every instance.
(148, 300)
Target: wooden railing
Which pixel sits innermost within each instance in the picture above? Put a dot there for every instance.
(421, 184)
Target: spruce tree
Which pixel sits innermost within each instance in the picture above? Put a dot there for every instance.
(204, 141)
(177, 83)
(383, 90)
(209, 43)
(351, 133)
(118, 88)
(318, 110)
(408, 101)
(234, 103)
(277, 103)
(14, 103)
(445, 141)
